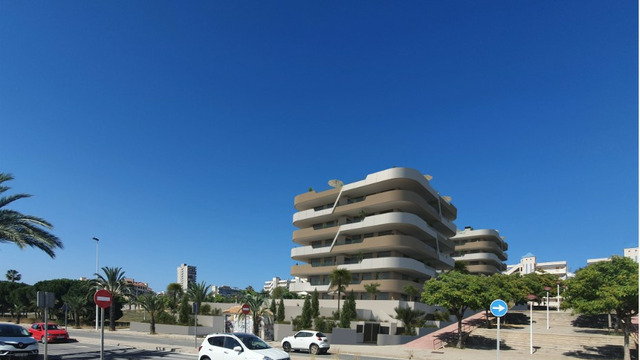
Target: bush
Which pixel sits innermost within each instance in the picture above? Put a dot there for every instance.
(442, 315)
(324, 325)
(165, 318)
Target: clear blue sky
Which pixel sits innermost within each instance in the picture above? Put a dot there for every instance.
(181, 132)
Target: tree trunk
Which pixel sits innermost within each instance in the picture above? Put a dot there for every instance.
(459, 345)
(152, 327)
(626, 325)
(112, 316)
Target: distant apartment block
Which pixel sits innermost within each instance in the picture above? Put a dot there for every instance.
(137, 287)
(275, 282)
(528, 264)
(392, 228)
(483, 251)
(631, 253)
(225, 290)
(186, 275)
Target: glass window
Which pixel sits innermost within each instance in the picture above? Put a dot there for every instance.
(230, 342)
(216, 341)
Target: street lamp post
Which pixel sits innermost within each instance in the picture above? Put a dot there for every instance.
(97, 261)
(547, 288)
(531, 297)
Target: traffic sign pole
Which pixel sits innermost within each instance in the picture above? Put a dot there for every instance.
(499, 309)
(103, 299)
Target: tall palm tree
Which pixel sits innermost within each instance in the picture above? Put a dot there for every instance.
(339, 280)
(114, 282)
(154, 305)
(197, 292)
(174, 294)
(75, 303)
(24, 230)
(13, 275)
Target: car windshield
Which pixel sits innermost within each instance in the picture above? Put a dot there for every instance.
(320, 335)
(254, 342)
(13, 331)
(52, 327)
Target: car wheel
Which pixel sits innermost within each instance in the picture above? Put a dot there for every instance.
(286, 347)
(205, 358)
(313, 349)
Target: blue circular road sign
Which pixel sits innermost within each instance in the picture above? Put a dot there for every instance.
(498, 308)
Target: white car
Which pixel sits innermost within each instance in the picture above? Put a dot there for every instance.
(314, 341)
(238, 346)
(16, 342)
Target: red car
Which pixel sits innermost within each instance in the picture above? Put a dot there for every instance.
(54, 333)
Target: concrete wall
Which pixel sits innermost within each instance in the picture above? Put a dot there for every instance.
(344, 336)
(171, 329)
(280, 331)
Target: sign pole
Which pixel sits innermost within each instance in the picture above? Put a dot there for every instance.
(102, 335)
(499, 309)
(498, 340)
(46, 332)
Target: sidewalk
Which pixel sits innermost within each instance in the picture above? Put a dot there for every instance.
(556, 343)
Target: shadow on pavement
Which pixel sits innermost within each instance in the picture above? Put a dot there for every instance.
(113, 354)
(598, 352)
(478, 342)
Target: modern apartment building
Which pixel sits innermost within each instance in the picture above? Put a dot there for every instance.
(275, 282)
(631, 253)
(392, 228)
(528, 264)
(483, 251)
(186, 275)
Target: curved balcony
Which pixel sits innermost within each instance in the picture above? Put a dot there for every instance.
(484, 257)
(402, 243)
(484, 246)
(485, 269)
(404, 200)
(403, 178)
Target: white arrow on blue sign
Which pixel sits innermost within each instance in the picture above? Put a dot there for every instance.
(498, 308)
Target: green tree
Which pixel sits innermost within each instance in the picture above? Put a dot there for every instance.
(76, 303)
(372, 289)
(456, 292)
(411, 318)
(273, 307)
(306, 318)
(113, 281)
(24, 230)
(197, 292)
(174, 294)
(348, 311)
(154, 305)
(604, 287)
(339, 280)
(412, 292)
(184, 311)
(280, 312)
(315, 304)
(496, 286)
(13, 275)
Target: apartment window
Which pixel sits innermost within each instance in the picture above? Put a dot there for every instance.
(367, 276)
(355, 279)
(355, 200)
(325, 225)
(368, 235)
(384, 233)
(383, 254)
(384, 275)
(353, 239)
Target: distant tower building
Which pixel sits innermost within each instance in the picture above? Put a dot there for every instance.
(631, 253)
(186, 275)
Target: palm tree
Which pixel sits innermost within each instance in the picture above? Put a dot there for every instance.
(197, 292)
(174, 293)
(24, 230)
(410, 318)
(13, 275)
(259, 311)
(154, 305)
(114, 282)
(75, 303)
(339, 280)
(372, 289)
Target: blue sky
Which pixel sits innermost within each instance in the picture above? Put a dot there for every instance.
(181, 132)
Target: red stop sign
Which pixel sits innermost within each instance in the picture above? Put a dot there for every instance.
(103, 298)
(246, 309)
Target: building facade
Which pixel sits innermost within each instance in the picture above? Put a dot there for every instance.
(528, 264)
(186, 275)
(275, 282)
(390, 229)
(631, 253)
(483, 251)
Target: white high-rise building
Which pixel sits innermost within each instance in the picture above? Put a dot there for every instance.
(186, 275)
